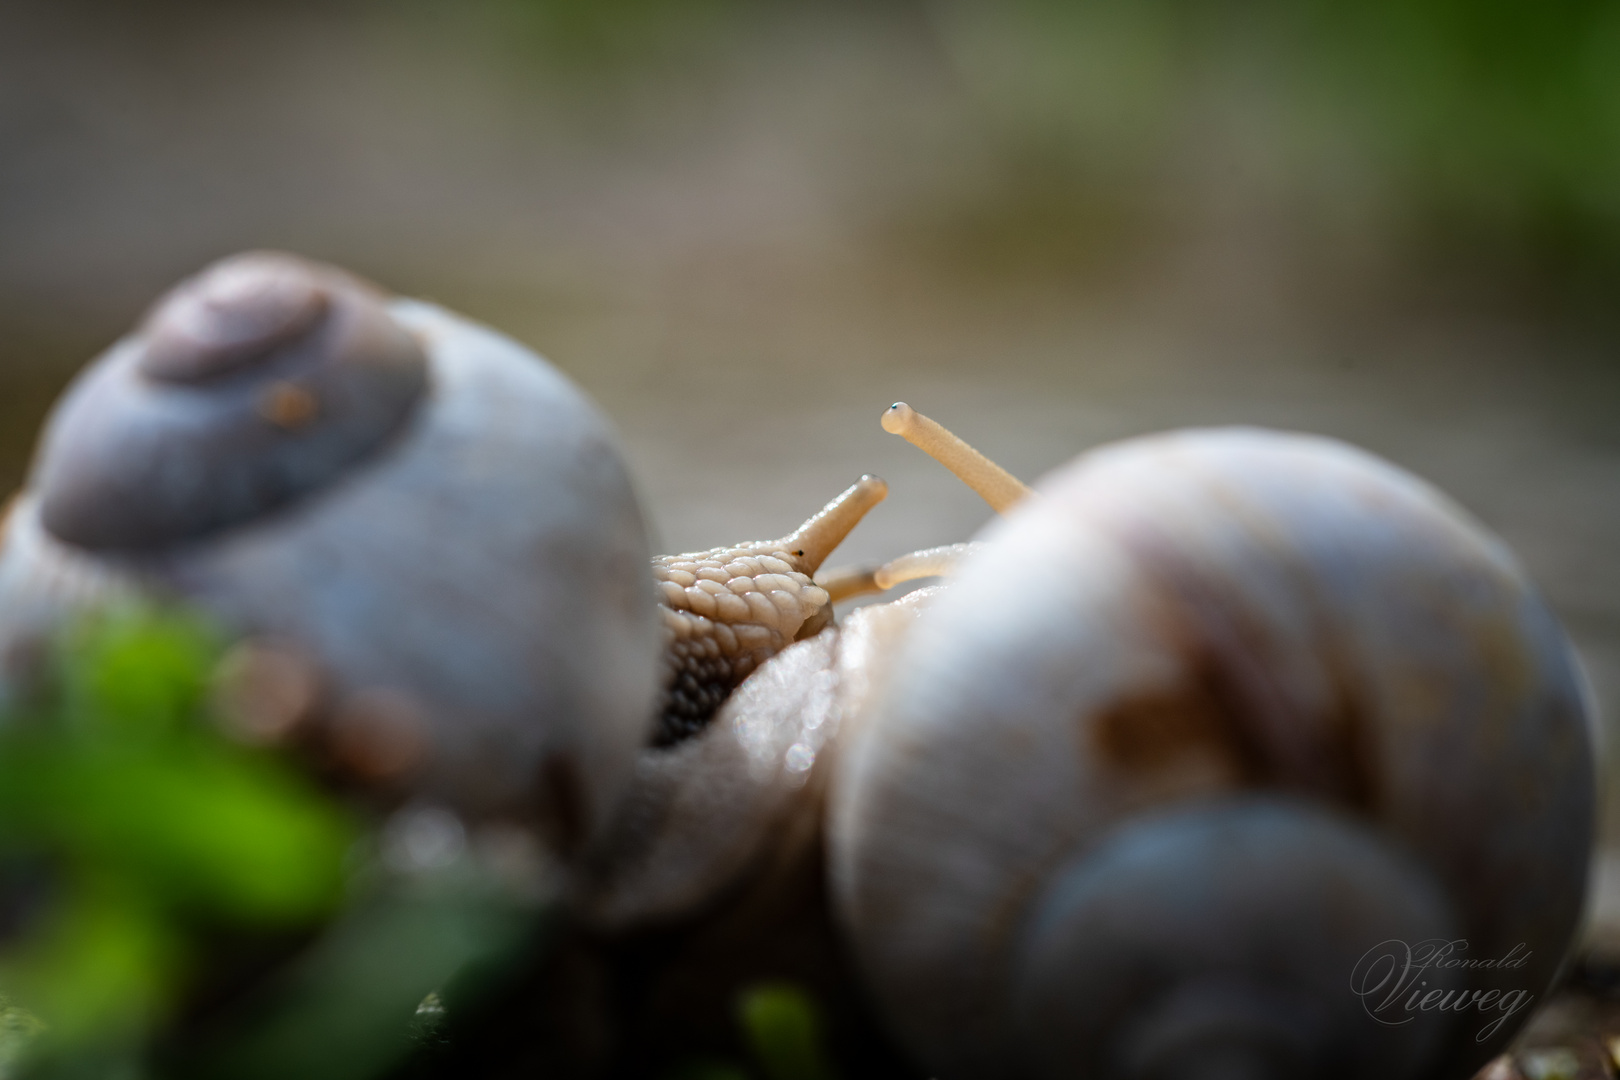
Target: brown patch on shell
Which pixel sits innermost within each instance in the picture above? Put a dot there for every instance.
(1211, 733)
(1232, 722)
(266, 691)
(1183, 740)
(378, 734)
(289, 406)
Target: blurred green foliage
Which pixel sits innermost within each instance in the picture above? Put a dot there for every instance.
(1451, 125)
(136, 839)
(388, 978)
(130, 828)
(709, 1069)
(621, 36)
(1493, 122)
(782, 1025)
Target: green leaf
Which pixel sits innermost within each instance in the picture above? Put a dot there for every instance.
(136, 672)
(783, 1029)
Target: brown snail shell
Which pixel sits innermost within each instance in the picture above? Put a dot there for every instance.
(1215, 700)
(432, 512)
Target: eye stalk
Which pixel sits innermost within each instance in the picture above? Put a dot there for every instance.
(995, 485)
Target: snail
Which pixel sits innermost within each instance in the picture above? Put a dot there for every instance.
(424, 533)
(1194, 742)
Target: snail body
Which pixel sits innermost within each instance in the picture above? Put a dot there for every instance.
(1211, 718)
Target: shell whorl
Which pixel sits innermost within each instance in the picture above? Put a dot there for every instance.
(1219, 941)
(249, 386)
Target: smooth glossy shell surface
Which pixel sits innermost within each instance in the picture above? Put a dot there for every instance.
(1184, 617)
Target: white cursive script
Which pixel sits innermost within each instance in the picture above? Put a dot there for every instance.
(1390, 982)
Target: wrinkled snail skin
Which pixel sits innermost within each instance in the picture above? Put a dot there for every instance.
(1194, 730)
(466, 560)
(727, 610)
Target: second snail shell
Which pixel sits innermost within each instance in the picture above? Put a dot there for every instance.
(1214, 715)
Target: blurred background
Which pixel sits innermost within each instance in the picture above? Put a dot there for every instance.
(746, 226)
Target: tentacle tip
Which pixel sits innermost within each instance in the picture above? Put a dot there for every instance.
(897, 417)
(875, 485)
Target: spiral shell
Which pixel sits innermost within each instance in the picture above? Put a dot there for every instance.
(1220, 709)
(429, 511)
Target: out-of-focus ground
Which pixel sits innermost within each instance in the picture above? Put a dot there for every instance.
(745, 229)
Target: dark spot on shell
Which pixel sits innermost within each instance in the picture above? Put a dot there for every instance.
(290, 406)
(379, 734)
(1209, 731)
(1233, 662)
(1195, 722)
(255, 384)
(266, 690)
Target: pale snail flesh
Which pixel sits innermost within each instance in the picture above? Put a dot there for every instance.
(428, 512)
(1208, 719)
